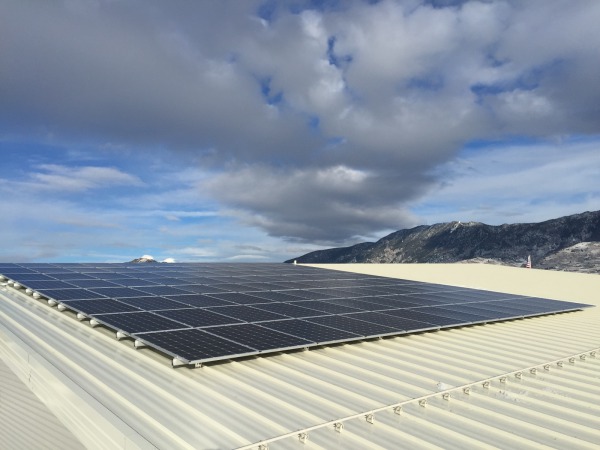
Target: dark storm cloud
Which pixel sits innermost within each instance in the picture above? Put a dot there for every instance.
(320, 120)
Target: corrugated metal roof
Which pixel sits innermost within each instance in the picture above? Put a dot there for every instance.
(25, 422)
(113, 396)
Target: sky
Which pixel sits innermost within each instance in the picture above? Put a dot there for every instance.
(262, 130)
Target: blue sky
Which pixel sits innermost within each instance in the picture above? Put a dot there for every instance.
(259, 131)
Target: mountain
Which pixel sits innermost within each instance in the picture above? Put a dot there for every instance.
(143, 259)
(568, 242)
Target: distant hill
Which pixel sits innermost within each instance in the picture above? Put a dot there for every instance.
(143, 259)
(567, 243)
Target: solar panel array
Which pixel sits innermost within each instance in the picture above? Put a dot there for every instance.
(200, 312)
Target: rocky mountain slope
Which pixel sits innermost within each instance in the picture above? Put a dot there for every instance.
(553, 244)
(143, 259)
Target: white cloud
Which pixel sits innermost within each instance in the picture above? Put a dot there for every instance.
(55, 177)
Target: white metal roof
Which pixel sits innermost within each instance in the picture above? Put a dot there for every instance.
(112, 396)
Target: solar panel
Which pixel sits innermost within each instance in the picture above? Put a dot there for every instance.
(118, 292)
(162, 290)
(460, 317)
(198, 300)
(397, 323)
(24, 277)
(240, 298)
(420, 315)
(196, 345)
(92, 283)
(290, 310)
(168, 281)
(247, 313)
(260, 338)
(327, 307)
(347, 323)
(73, 276)
(277, 296)
(394, 301)
(358, 304)
(70, 294)
(139, 322)
(133, 282)
(253, 286)
(197, 317)
(45, 284)
(233, 287)
(200, 289)
(153, 303)
(200, 312)
(308, 294)
(311, 331)
(102, 306)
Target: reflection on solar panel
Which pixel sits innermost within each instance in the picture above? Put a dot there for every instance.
(205, 312)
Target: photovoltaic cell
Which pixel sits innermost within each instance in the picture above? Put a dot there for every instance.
(13, 271)
(152, 303)
(198, 300)
(73, 276)
(247, 313)
(258, 337)
(44, 284)
(240, 298)
(487, 314)
(253, 286)
(232, 287)
(25, 277)
(276, 296)
(358, 303)
(162, 290)
(327, 307)
(69, 294)
(196, 345)
(459, 317)
(308, 294)
(289, 310)
(420, 315)
(121, 292)
(134, 282)
(197, 317)
(310, 331)
(102, 306)
(395, 322)
(360, 327)
(92, 283)
(393, 301)
(201, 289)
(139, 322)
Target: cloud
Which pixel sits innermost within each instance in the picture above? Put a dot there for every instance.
(74, 179)
(315, 205)
(314, 122)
